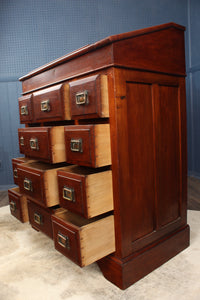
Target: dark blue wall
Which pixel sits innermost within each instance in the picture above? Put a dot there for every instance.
(193, 91)
(34, 32)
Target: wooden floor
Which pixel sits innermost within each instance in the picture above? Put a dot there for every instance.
(193, 194)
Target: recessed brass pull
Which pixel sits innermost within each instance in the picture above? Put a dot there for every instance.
(45, 105)
(82, 98)
(37, 218)
(15, 173)
(21, 140)
(12, 206)
(28, 185)
(24, 110)
(63, 240)
(76, 145)
(68, 194)
(34, 144)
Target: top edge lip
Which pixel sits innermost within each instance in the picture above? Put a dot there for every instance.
(101, 43)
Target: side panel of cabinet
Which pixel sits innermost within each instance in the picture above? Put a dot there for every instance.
(148, 118)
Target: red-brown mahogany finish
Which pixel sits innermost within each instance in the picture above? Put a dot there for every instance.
(147, 118)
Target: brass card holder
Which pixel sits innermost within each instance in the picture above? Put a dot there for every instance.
(24, 110)
(76, 145)
(45, 105)
(63, 240)
(37, 218)
(28, 185)
(34, 144)
(12, 206)
(82, 98)
(68, 194)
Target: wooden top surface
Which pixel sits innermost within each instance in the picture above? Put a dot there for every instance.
(99, 44)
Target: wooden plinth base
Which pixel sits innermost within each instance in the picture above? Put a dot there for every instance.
(125, 272)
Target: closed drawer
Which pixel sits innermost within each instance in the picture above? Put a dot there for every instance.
(40, 218)
(83, 241)
(43, 143)
(15, 162)
(25, 109)
(88, 145)
(51, 104)
(85, 191)
(39, 182)
(89, 97)
(18, 204)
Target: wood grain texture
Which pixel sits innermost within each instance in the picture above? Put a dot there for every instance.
(44, 186)
(20, 202)
(45, 214)
(89, 240)
(58, 104)
(96, 105)
(92, 191)
(95, 145)
(50, 143)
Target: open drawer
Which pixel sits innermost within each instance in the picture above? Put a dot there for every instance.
(83, 241)
(18, 204)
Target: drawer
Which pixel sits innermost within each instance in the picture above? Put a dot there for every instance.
(40, 218)
(38, 182)
(51, 104)
(85, 191)
(83, 241)
(18, 204)
(25, 109)
(15, 162)
(89, 97)
(88, 145)
(43, 143)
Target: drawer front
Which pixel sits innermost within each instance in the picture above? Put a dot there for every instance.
(89, 97)
(15, 207)
(72, 191)
(18, 204)
(35, 142)
(88, 145)
(40, 218)
(15, 162)
(66, 241)
(15, 173)
(25, 109)
(31, 183)
(51, 104)
(79, 144)
(81, 240)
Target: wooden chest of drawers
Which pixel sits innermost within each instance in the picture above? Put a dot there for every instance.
(117, 108)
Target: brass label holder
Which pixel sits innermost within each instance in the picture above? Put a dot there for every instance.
(68, 194)
(82, 98)
(63, 240)
(24, 110)
(37, 218)
(45, 105)
(76, 145)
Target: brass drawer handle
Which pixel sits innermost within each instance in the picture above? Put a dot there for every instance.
(15, 173)
(24, 110)
(37, 218)
(45, 106)
(68, 194)
(28, 185)
(63, 240)
(82, 98)
(76, 145)
(21, 140)
(34, 144)
(12, 206)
